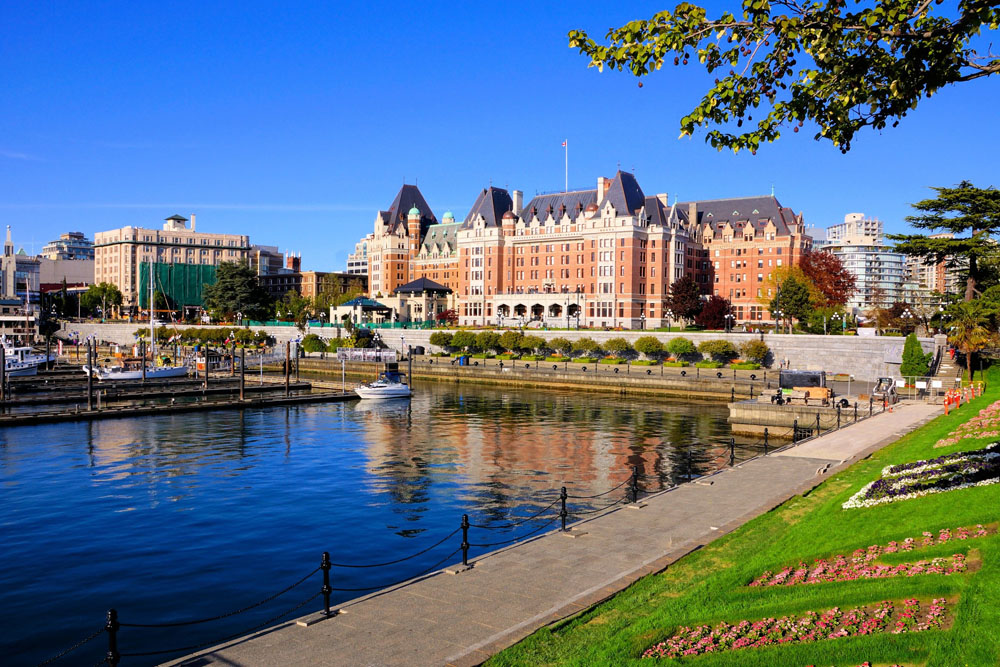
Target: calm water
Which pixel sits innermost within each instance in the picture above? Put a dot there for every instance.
(185, 516)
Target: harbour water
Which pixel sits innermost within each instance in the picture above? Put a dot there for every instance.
(194, 515)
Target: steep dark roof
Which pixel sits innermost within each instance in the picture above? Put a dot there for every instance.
(364, 303)
(574, 202)
(177, 217)
(491, 203)
(740, 211)
(408, 197)
(422, 285)
(624, 194)
(656, 212)
(443, 234)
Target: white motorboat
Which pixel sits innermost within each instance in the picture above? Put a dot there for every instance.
(22, 354)
(389, 385)
(15, 369)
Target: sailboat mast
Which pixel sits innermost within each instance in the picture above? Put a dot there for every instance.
(152, 328)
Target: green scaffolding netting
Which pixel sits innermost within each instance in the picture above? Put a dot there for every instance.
(181, 283)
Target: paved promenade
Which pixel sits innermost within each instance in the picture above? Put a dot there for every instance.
(464, 618)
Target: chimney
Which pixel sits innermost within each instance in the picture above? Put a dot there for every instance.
(602, 187)
(693, 213)
(664, 199)
(193, 229)
(518, 201)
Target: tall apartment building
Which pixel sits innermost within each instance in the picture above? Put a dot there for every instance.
(357, 261)
(856, 229)
(71, 245)
(176, 249)
(936, 276)
(600, 257)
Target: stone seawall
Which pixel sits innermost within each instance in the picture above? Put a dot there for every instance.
(866, 358)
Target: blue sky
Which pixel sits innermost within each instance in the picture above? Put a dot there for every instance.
(295, 123)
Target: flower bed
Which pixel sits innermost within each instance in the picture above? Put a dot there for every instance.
(861, 565)
(960, 470)
(885, 617)
(986, 424)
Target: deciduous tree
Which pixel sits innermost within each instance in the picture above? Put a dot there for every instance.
(681, 347)
(713, 314)
(792, 300)
(862, 64)
(685, 298)
(833, 283)
(103, 295)
(649, 346)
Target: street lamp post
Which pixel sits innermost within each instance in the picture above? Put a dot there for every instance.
(778, 313)
(729, 322)
(642, 321)
(670, 316)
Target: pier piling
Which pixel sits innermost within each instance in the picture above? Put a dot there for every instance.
(90, 377)
(243, 357)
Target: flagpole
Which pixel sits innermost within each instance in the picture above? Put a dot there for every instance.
(566, 147)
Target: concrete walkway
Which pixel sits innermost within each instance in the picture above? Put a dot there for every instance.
(462, 619)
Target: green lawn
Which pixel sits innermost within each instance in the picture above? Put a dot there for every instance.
(709, 586)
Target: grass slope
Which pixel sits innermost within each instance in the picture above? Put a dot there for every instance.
(709, 586)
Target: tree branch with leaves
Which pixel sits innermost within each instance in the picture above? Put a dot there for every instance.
(866, 66)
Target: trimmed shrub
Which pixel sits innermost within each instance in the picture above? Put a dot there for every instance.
(618, 346)
(645, 362)
(313, 343)
(533, 343)
(649, 346)
(681, 347)
(488, 340)
(611, 360)
(755, 351)
(532, 357)
(675, 364)
(709, 364)
(719, 349)
(441, 339)
(586, 346)
(584, 360)
(744, 366)
(511, 340)
(464, 340)
(508, 356)
(563, 345)
(558, 359)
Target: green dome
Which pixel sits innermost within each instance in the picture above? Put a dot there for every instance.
(448, 215)
(414, 211)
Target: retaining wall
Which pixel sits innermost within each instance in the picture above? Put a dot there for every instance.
(865, 357)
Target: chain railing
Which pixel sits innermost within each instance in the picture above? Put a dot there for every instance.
(577, 506)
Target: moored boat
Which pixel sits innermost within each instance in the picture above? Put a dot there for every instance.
(389, 385)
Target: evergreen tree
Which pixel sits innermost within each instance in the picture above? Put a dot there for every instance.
(972, 215)
(915, 362)
(236, 290)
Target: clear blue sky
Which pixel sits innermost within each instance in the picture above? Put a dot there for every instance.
(296, 122)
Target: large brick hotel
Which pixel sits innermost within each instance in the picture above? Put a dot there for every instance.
(604, 257)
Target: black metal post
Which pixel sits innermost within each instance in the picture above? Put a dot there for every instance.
(765, 441)
(838, 415)
(855, 411)
(817, 422)
(47, 347)
(732, 394)
(732, 451)
(688, 457)
(465, 540)
(634, 486)
(795, 431)
(326, 590)
(3, 373)
(243, 358)
(232, 359)
(751, 391)
(288, 364)
(113, 656)
(90, 377)
(562, 510)
(871, 401)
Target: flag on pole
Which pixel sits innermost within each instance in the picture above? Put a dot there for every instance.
(564, 144)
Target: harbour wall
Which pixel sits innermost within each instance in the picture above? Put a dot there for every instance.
(865, 357)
